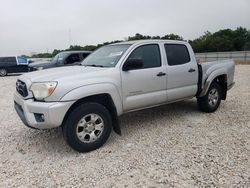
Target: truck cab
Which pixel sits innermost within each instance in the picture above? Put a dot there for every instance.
(169, 73)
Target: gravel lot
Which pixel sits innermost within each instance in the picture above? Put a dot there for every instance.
(170, 146)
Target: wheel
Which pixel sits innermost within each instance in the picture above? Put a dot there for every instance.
(3, 72)
(211, 101)
(87, 127)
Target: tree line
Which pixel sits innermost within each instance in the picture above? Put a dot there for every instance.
(220, 41)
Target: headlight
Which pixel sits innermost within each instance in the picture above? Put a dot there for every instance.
(43, 89)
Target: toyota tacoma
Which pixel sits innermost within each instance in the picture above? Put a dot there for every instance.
(87, 100)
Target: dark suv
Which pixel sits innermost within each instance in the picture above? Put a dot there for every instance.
(13, 64)
(66, 58)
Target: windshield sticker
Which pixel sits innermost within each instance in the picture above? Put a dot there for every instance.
(115, 54)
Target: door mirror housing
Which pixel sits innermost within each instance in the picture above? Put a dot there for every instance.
(132, 64)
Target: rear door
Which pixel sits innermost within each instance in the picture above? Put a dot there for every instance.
(182, 72)
(146, 86)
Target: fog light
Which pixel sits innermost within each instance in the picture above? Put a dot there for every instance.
(39, 117)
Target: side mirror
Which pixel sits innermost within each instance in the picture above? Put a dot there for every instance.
(132, 64)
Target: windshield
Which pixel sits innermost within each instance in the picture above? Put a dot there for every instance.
(59, 56)
(107, 56)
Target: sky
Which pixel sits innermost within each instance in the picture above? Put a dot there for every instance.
(36, 26)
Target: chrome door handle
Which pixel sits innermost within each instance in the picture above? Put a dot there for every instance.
(191, 70)
(161, 74)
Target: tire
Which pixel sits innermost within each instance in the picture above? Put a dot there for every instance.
(211, 101)
(3, 72)
(87, 127)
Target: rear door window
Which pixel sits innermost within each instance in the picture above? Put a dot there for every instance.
(177, 54)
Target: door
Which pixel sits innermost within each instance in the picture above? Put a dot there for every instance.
(146, 86)
(182, 72)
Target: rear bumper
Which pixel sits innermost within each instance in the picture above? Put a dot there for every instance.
(53, 112)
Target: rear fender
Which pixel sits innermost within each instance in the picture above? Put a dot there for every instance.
(212, 76)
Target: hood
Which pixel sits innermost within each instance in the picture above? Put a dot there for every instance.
(67, 74)
(72, 77)
(40, 64)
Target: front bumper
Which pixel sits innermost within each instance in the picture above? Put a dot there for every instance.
(53, 112)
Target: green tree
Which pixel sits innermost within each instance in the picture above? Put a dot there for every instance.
(172, 37)
(222, 40)
(138, 36)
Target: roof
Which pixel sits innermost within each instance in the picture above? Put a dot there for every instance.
(76, 51)
(149, 40)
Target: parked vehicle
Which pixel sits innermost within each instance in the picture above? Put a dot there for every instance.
(116, 79)
(66, 58)
(13, 64)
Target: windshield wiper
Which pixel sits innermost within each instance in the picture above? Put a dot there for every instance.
(93, 65)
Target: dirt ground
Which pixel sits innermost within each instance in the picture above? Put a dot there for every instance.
(170, 146)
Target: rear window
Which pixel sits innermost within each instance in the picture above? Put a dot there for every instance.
(177, 54)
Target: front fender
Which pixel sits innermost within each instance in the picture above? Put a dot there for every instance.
(210, 77)
(95, 89)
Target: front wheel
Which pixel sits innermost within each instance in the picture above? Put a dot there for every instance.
(211, 101)
(3, 72)
(88, 127)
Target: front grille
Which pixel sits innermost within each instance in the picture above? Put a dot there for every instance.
(21, 88)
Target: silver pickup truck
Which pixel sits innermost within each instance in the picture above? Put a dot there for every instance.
(87, 100)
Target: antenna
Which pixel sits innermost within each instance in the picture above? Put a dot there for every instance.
(70, 37)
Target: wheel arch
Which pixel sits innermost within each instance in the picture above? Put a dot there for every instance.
(219, 77)
(106, 100)
(6, 69)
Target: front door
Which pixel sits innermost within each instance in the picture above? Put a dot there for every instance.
(146, 86)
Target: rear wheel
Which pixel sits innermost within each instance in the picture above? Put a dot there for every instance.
(88, 127)
(3, 72)
(211, 101)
